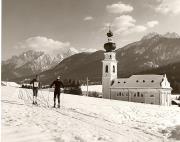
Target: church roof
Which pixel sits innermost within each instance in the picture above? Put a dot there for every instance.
(142, 81)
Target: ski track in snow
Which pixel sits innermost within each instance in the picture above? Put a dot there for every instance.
(82, 119)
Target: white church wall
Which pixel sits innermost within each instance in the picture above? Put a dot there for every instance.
(146, 95)
(152, 96)
(118, 94)
(109, 72)
(165, 97)
(136, 95)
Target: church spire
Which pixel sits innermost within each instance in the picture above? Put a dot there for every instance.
(110, 34)
(110, 45)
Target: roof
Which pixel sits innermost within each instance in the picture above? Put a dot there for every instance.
(142, 81)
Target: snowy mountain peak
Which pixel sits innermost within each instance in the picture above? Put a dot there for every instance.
(151, 35)
(171, 35)
(89, 50)
(74, 50)
(156, 35)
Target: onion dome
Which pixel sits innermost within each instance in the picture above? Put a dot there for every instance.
(109, 34)
(110, 45)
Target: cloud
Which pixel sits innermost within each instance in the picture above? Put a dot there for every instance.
(88, 18)
(44, 44)
(126, 24)
(137, 29)
(119, 8)
(169, 6)
(151, 24)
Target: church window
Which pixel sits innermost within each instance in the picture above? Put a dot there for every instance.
(106, 69)
(119, 94)
(138, 93)
(124, 81)
(151, 95)
(141, 95)
(135, 95)
(137, 81)
(119, 82)
(152, 81)
(112, 82)
(110, 56)
(114, 69)
(143, 81)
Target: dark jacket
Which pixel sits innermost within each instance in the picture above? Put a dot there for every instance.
(58, 84)
(35, 83)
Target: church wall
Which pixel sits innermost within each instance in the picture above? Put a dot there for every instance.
(148, 96)
(109, 72)
(106, 88)
(165, 95)
(120, 94)
(152, 96)
(136, 95)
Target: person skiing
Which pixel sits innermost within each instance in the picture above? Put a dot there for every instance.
(35, 87)
(58, 85)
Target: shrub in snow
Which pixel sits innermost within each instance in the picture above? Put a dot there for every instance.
(93, 94)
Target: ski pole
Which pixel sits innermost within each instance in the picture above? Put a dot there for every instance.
(48, 97)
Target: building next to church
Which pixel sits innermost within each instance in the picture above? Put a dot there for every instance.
(150, 89)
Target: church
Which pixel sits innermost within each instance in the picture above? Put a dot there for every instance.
(149, 89)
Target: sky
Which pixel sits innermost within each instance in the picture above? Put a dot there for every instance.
(82, 24)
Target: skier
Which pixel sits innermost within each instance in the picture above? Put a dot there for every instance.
(58, 85)
(35, 88)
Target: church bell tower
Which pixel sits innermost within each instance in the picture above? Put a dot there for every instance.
(109, 71)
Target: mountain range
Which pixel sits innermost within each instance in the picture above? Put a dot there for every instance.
(34, 62)
(154, 53)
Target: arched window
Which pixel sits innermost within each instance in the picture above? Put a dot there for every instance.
(138, 94)
(106, 69)
(113, 68)
(110, 57)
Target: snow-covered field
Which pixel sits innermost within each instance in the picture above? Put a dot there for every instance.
(84, 119)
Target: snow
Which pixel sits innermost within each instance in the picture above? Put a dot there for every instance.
(89, 50)
(92, 88)
(84, 119)
(12, 84)
(171, 35)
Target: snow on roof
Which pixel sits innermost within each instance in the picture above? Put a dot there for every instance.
(141, 81)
